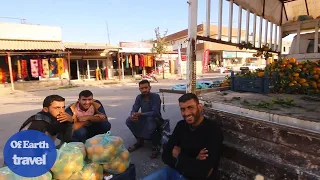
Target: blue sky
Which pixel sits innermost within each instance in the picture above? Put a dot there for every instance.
(128, 20)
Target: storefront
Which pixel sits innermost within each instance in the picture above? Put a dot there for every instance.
(136, 58)
(31, 53)
(236, 58)
(91, 61)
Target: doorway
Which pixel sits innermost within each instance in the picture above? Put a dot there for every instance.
(74, 70)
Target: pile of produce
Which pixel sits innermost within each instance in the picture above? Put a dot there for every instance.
(295, 77)
(108, 151)
(7, 174)
(78, 161)
(289, 76)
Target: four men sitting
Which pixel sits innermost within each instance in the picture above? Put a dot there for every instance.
(192, 152)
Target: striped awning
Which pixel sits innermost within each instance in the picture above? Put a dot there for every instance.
(13, 45)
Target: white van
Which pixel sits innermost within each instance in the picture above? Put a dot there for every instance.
(306, 50)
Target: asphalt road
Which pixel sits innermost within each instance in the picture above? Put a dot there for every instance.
(117, 100)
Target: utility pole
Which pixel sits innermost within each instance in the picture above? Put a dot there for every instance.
(108, 31)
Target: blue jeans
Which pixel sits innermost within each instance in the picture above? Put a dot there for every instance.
(166, 173)
(86, 132)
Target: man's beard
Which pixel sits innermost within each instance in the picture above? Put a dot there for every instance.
(196, 117)
(145, 94)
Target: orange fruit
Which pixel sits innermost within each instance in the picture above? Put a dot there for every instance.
(117, 141)
(70, 167)
(305, 84)
(292, 60)
(296, 75)
(98, 149)
(115, 164)
(95, 141)
(302, 80)
(90, 150)
(291, 84)
(124, 155)
(121, 168)
(316, 76)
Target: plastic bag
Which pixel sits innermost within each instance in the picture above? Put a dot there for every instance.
(7, 174)
(90, 171)
(70, 159)
(120, 164)
(103, 148)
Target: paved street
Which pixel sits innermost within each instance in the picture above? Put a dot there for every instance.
(117, 100)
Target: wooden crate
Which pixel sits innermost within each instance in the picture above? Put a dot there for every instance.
(246, 84)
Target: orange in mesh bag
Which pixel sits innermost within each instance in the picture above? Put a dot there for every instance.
(90, 171)
(104, 148)
(7, 174)
(70, 159)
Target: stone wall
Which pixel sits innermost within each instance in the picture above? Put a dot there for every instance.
(275, 151)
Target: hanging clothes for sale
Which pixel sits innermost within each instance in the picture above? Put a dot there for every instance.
(65, 64)
(127, 61)
(45, 68)
(60, 65)
(19, 69)
(53, 67)
(24, 69)
(130, 61)
(136, 60)
(142, 61)
(152, 61)
(34, 68)
(40, 69)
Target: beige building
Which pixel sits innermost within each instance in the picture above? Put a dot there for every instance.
(220, 55)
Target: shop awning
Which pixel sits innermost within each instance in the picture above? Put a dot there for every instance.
(88, 46)
(13, 45)
(290, 9)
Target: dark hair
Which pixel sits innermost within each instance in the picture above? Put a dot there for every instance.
(144, 82)
(49, 99)
(186, 97)
(85, 93)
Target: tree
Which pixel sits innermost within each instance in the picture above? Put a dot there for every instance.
(160, 47)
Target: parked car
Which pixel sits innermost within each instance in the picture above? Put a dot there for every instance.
(249, 67)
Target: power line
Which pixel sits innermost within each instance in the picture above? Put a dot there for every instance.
(22, 21)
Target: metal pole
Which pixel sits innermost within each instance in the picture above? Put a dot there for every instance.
(10, 71)
(239, 24)
(191, 50)
(220, 19)
(230, 20)
(180, 60)
(69, 67)
(208, 18)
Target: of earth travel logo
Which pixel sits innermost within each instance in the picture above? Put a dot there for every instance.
(30, 153)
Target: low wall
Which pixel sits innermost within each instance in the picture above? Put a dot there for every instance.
(273, 150)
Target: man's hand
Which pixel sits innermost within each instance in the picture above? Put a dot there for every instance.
(176, 151)
(203, 154)
(64, 117)
(102, 116)
(135, 116)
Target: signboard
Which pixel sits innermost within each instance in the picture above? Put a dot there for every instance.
(228, 54)
(136, 47)
(205, 61)
(12, 31)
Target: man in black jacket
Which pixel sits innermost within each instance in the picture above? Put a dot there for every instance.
(194, 148)
(52, 120)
